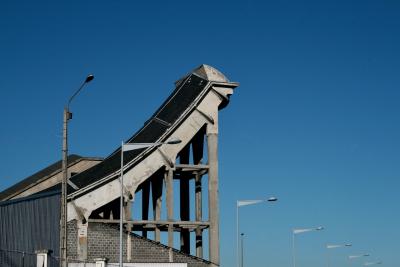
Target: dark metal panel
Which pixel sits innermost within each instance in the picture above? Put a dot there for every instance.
(27, 225)
(175, 105)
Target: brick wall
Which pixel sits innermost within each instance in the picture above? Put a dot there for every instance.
(103, 241)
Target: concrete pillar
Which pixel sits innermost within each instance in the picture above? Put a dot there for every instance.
(145, 203)
(101, 262)
(169, 176)
(156, 190)
(184, 157)
(42, 258)
(198, 148)
(128, 217)
(213, 201)
(184, 213)
(198, 207)
(82, 240)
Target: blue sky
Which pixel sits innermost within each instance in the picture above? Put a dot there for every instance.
(315, 120)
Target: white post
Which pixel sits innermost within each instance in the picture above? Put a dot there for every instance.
(101, 262)
(41, 258)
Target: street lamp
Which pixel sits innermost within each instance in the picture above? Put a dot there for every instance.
(352, 257)
(372, 263)
(358, 256)
(241, 203)
(332, 247)
(300, 231)
(124, 148)
(63, 216)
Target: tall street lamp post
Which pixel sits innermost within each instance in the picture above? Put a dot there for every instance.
(242, 247)
(330, 246)
(63, 216)
(241, 203)
(124, 148)
(300, 231)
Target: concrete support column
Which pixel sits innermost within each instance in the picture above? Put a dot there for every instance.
(170, 204)
(156, 190)
(198, 207)
(129, 227)
(198, 148)
(184, 157)
(185, 213)
(145, 203)
(82, 240)
(42, 258)
(213, 201)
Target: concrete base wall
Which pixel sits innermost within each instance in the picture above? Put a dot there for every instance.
(103, 242)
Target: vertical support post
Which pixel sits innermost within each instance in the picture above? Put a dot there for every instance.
(170, 205)
(198, 148)
(170, 255)
(157, 187)
(82, 240)
(185, 201)
(198, 204)
(121, 211)
(128, 216)
(213, 201)
(145, 203)
(198, 207)
(63, 215)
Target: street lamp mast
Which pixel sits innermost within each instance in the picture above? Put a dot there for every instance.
(330, 246)
(63, 216)
(299, 231)
(240, 203)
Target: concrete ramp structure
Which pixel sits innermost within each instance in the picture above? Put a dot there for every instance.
(167, 189)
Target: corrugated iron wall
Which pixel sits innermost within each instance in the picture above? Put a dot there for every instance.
(29, 224)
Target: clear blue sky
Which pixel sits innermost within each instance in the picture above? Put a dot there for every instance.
(315, 120)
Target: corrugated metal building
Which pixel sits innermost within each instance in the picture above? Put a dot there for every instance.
(29, 224)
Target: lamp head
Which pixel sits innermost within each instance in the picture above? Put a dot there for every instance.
(89, 78)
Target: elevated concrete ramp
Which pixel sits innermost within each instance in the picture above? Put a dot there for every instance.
(190, 114)
(194, 103)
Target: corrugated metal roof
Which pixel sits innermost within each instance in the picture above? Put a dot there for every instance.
(6, 194)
